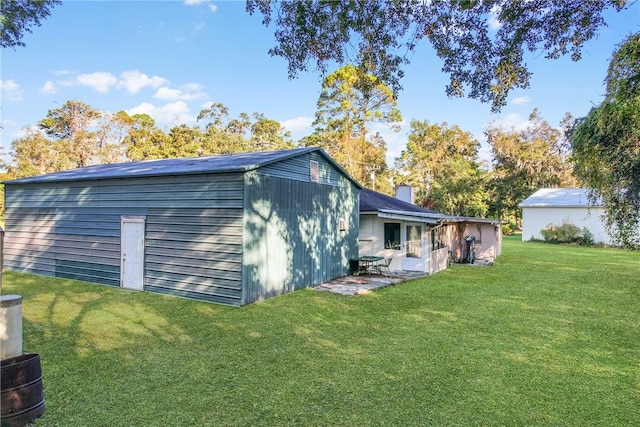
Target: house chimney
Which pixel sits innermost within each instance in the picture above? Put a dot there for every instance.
(405, 193)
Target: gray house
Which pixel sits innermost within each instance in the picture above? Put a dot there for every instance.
(230, 229)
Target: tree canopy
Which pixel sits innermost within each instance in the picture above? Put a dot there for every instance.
(76, 135)
(440, 162)
(524, 161)
(606, 145)
(350, 102)
(481, 42)
(18, 17)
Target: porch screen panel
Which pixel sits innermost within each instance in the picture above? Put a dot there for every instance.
(414, 241)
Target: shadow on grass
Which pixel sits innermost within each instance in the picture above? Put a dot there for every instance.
(523, 342)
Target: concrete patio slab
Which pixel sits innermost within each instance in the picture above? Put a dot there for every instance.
(362, 284)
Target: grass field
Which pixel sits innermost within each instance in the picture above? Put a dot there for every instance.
(548, 335)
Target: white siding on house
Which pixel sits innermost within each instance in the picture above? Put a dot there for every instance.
(535, 219)
(371, 241)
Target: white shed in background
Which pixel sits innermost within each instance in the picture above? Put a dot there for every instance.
(557, 206)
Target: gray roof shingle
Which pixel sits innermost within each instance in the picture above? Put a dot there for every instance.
(372, 201)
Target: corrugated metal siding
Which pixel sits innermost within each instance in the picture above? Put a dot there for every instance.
(291, 234)
(44, 241)
(297, 169)
(195, 253)
(77, 231)
(158, 192)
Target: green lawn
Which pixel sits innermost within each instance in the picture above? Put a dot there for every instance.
(548, 335)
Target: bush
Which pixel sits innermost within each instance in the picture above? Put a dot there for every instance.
(587, 238)
(567, 233)
(508, 228)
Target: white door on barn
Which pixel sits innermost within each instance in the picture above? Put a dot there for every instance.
(413, 250)
(132, 252)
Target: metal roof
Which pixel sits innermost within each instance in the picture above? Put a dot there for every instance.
(559, 198)
(241, 162)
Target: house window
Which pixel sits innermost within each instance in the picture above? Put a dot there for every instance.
(479, 235)
(314, 174)
(392, 235)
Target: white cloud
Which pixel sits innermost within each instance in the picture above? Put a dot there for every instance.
(513, 121)
(520, 100)
(192, 87)
(167, 93)
(189, 92)
(26, 131)
(494, 24)
(11, 90)
(174, 113)
(66, 83)
(134, 80)
(212, 7)
(99, 81)
(298, 124)
(49, 88)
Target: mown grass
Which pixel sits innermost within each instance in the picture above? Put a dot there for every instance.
(548, 335)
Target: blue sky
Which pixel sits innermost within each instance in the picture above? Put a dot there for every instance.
(171, 58)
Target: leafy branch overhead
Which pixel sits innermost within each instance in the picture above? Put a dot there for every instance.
(482, 43)
(17, 17)
(606, 145)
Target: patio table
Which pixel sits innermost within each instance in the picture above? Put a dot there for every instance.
(366, 263)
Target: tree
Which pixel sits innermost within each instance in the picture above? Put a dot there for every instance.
(525, 161)
(19, 16)
(184, 141)
(145, 141)
(74, 125)
(379, 36)
(350, 101)
(221, 135)
(225, 136)
(440, 162)
(267, 134)
(606, 145)
(33, 154)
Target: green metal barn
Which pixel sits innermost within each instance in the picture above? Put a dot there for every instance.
(229, 229)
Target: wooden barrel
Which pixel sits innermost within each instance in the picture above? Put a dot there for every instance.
(22, 392)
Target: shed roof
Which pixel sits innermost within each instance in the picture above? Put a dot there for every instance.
(559, 198)
(240, 162)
